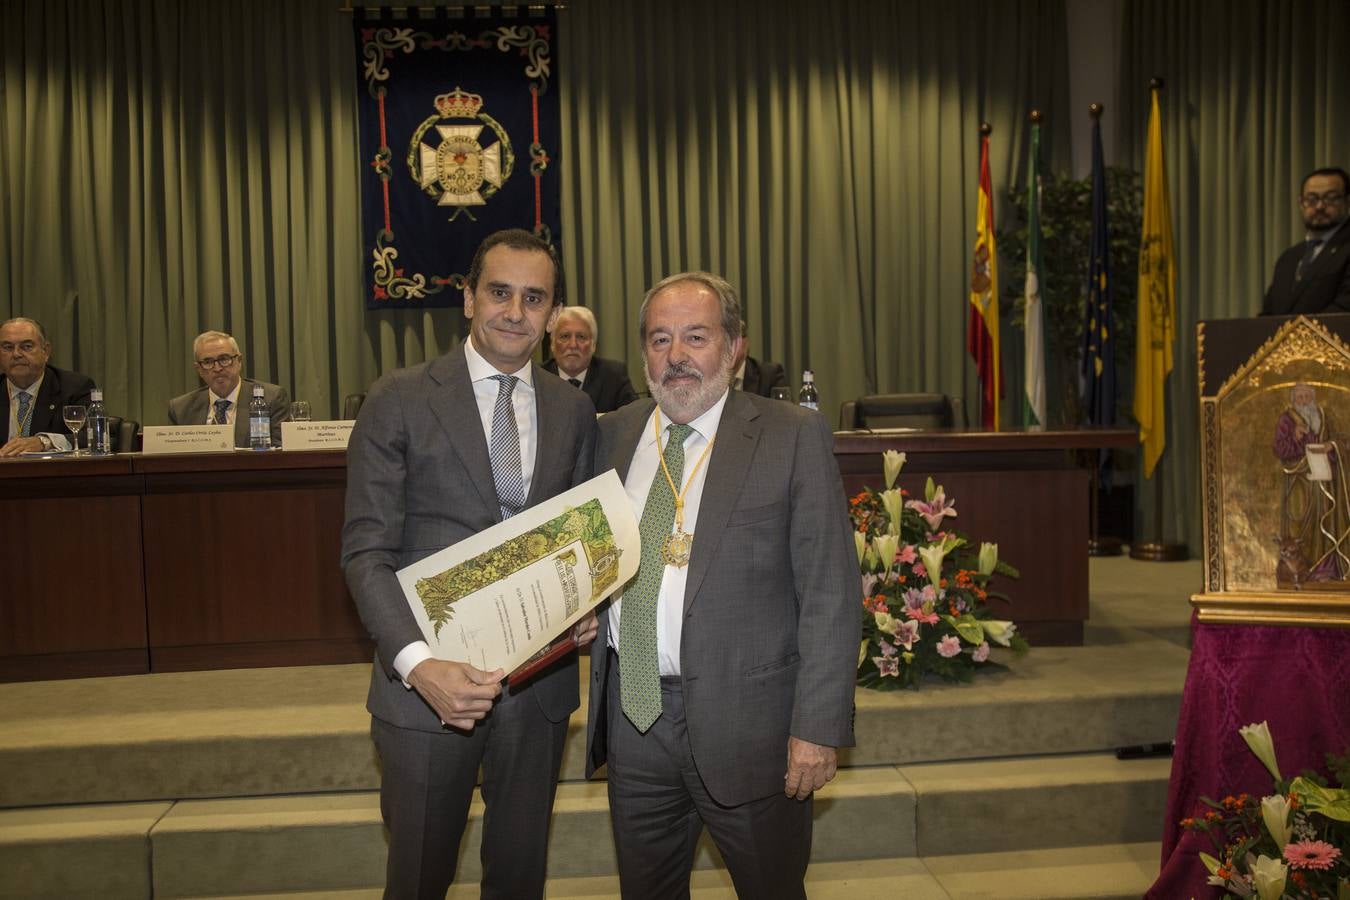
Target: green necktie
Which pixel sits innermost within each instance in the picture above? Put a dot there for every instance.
(639, 669)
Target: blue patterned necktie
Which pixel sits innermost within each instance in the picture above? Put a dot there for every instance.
(504, 449)
(639, 668)
(25, 413)
(222, 412)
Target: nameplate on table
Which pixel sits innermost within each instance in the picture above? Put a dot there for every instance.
(187, 439)
(316, 435)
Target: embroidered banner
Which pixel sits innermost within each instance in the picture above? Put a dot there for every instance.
(460, 128)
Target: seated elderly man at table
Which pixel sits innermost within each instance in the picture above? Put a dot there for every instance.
(35, 392)
(218, 401)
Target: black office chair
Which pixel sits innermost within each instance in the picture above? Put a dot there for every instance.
(351, 405)
(902, 411)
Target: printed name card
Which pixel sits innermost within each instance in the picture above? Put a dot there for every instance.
(187, 438)
(316, 435)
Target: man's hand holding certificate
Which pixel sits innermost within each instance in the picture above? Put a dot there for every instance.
(498, 598)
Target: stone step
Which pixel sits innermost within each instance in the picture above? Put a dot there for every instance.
(332, 842)
(262, 732)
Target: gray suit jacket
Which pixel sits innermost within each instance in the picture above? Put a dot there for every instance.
(772, 604)
(190, 409)
(418, 480)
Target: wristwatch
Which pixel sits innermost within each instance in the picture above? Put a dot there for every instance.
(46, 441)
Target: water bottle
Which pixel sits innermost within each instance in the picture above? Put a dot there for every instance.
(259, 421)
(807, 396)
(100, 440)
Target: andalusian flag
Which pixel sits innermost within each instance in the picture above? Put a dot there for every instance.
(1156, 331)
(1097, 368)
(982, 330)
(1033, 410)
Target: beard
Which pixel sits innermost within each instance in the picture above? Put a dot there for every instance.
(1312, 415)
(684, 403)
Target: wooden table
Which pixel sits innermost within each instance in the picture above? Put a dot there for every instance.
(164, 563)
(1023, 490)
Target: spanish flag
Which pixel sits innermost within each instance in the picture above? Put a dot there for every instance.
(1156, 300)
(982, 330)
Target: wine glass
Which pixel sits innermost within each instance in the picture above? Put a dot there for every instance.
(74, 415)
(781, 392)
(300, 411)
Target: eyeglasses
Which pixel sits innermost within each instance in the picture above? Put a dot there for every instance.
(24, 346)
(218, 362)
(1312, 201)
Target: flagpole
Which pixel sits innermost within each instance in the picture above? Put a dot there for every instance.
(1098, 543)
(1160, 268)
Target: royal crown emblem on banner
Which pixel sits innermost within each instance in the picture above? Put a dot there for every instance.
(449, 162)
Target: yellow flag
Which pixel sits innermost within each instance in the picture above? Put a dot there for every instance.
(1156, 301)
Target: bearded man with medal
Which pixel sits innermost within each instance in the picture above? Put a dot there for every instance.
(722, 677)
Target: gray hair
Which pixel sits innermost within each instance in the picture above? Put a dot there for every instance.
(585, 315)
(24, 320)
(729, 304)
(213, 336)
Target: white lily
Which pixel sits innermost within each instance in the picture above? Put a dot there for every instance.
(1269, 876)
(999, 631)
(892, 461)
(932, 557)
(895, 505)
(860, 544)
(1257, 736)
(885, 622)
(1275, 813)
(885, 546)
(988, 558)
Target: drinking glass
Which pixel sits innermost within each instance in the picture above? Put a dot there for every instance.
(781, 393)
(300, 411)
(74, 415)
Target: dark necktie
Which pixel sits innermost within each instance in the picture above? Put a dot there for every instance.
(25, 413)
(1309, 252)
(574, 382)
(504, 450)
(639, 667)
(222, 412)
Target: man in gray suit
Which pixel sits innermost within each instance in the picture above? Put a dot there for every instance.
(224, 398)
(441, 451)
(722, 683)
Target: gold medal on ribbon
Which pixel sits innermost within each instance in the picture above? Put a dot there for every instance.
(676, 548)
(679, 544)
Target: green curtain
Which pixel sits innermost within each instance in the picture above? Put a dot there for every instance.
(1255, 96)
(170, 167)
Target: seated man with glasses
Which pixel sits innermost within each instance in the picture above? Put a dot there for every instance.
(34, 391)
(1313, 276)
(224, 399)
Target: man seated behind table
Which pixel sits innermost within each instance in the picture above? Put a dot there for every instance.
(34, 391)
(573, 341)
(753, 376)
(217, 402)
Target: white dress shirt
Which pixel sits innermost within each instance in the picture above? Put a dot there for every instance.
(59, 441)
(645, 467)
(485, 391)
(580, 376)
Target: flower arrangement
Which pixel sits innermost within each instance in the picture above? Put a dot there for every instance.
(925, 594)
(1291, 844)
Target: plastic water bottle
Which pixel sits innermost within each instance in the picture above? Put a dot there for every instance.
(100, 440)
(807, 396)
(259, 421)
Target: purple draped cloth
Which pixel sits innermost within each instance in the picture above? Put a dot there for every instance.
(1297, 679)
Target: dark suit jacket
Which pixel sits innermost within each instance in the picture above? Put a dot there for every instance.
(761, 376)
(769, 646)
(418, 480)
(1324, 287)
(607, 383)
(190, 409)
(59, 388)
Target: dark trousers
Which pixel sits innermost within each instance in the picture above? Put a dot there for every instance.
(658, 807)
(428, 781)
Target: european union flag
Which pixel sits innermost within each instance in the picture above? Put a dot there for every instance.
(1097, 372)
